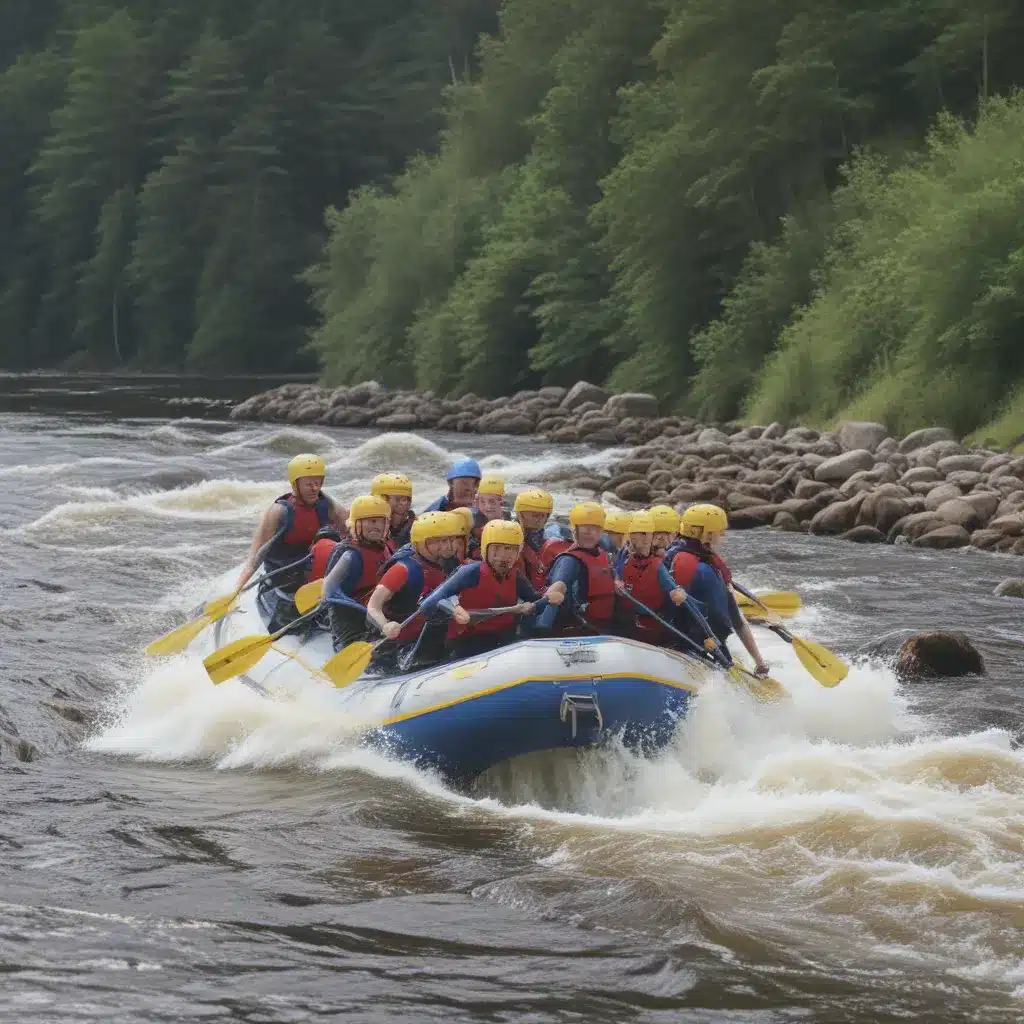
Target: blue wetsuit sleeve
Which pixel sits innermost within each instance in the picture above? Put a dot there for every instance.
(735, 615)
(463, 577)
(439, 505)
(342, 579)
(565, 570)
(620, 561)
(665, 579)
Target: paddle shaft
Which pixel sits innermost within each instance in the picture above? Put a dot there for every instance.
(778, 630)
(693, 646)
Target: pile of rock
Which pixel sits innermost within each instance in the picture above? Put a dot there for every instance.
(583, 413)
(857, 483)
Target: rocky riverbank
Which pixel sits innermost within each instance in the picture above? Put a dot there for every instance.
(857, 483)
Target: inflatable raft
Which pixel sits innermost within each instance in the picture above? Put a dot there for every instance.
(463, 717)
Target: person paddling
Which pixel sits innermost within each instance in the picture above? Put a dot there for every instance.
(463, 479)
(532, 509)
(410, 575)
(396, 490)
(354, 567)
(702, 572)
(489, 504)
(326, 540)
(616, 529)
(644, 576)
(492, 582)
(581, 577)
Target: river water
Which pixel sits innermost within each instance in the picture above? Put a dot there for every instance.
(174, 852)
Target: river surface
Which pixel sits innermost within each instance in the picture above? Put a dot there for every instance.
(174, 852)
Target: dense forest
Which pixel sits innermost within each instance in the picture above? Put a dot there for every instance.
(795, 210)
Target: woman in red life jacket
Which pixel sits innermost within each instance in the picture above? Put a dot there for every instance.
(582, 578)
(532, 510)
(409, 576)
(354, 568)
(492, 582)
(642, 575)
(289, 526)
(702, 572)
(666, 525)
(396, 490)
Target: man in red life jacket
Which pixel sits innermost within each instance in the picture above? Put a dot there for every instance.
(532, 509)
(642, 575)
(702, 572)
(354, 568)
(582, 578)
(463, 478)
(285, 534)
(666, 525)
(410, 575)
(324, 543)
(396, 490)
(489, 504)
(492, 582)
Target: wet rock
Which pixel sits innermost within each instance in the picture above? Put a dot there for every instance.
(854, 435)
(736, 501)
(363, 393)
(941, 494)
(984, 504)
(960, 463)
(1011, 525)
(801, 509)
(749, 518)
(938, 654)
(631, 404)
(841, 467)
(1010, 588)
(914, 525)
(922, 438)
(634, 490)
(958, 512)
(944, 538)
(17, 747)
(809, 488)
(882, 511)
(864, 535)
(787, 523)
(582, 392)
(399, 421)
(986, 540)
(837, 518)
(568, 434)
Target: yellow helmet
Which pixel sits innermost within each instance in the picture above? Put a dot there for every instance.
(431, 525)
(367, 506)
(643, 522)
(587, 513)
(492, 485)
(500, 531)
(534, 500)
(617, 521)
(305, 465)
(385, 484)
(465, 521)
(701, 519)
(666, 519)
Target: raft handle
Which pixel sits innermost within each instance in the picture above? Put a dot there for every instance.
(576, 705)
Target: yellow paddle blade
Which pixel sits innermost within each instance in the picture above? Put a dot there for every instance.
(348, 663)
(219, 607)
(766, 689)
(178, 639)
(236, 658)
(307, 597)
(783, 603)
(826, 667)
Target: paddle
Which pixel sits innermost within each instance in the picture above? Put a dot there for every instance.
(308, 596)
(783, 603)
(826, 667)
(239, 656)
(178, 639)
(766, 688)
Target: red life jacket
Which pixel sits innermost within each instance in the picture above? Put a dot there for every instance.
(321, 552)
(531, 566)
(691, 546)
(423, 577)
(600, 582)
(297, 532)
(373, 557)
(549, 551)
(641, 578)
(490, 592)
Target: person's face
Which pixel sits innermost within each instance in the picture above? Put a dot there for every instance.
(533, 520)
(662, 540)
(372, 529)
(641, 543)
(308, 488)
(618, 539)
(463, 490)
(588, 536)
(711, 538)
(399, 506)
(439, 548)
(502, 557)
(490, 506)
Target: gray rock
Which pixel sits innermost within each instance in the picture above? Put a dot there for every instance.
(836, 518)
(632, 404)
(809, 488)
(399, 421)
(842, 467)
(882, 511)
(634, 490)
(864, 535)
(1010, 588)
(888, 444)
(923, 438)
(938, 654)
(787, 523)
(854, 435)
(748, 518)
(581, 392)
(955, 463)
(773, 432)
(944, 538)
(921, 474)
(712, 435)
(914, 525)
(934, 453)
(965, 478)
(958, 512)
(942, 493)
(984, 503)
(1011, 525)
(987, 540)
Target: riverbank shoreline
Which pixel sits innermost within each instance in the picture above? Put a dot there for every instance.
(857, 482)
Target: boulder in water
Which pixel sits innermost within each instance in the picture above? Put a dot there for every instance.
(938, 654)
(1010, 588)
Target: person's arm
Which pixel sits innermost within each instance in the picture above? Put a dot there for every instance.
(675, 593)
(739, 624)
(464, 577)
(265, 532)
(528, 598)
(338, 515)
(343, 577)
(564, 574)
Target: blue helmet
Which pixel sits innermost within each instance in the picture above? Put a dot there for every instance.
(464, 468)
